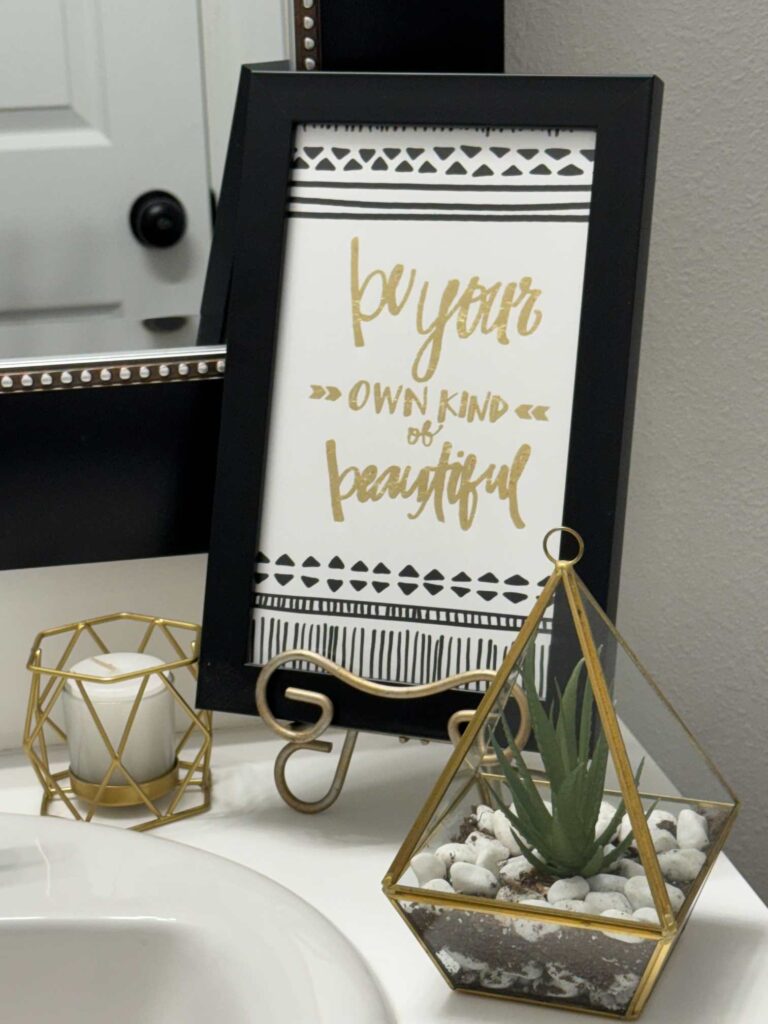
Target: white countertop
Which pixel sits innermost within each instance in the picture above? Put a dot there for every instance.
(717, 975)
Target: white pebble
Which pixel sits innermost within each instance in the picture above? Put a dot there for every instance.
(638, 892)
(501, 979)
(438, 885)
(449, 853)
(597, 902)
(514, 869)
(647, 915)
(621, 915)
(676, 897)
(498, 979)
(604, 818)
(507, 894)
(489, 859)
(662, 840)
(607, 883)
(657, 817)
(564, 984)
(427, 866)
(628, 868)
(576, 906)
(484, 817)
(692, 833)
(502, 829)
(575, 888)
(475, 839)
(453, 962)
(681, 865)
(493, 848)
(449, 961)
(531, 930)
(625, 828)
(473, 880)
(618, 994)
(478, 842)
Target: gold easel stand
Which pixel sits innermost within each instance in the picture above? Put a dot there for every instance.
(182, 792)
(308, 737)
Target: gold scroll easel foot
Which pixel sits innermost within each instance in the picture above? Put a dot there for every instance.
(337, 783)
(307, 737)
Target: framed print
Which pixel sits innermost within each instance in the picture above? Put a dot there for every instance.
(433, 305)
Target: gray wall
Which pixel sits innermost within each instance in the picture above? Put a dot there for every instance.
(695, 575)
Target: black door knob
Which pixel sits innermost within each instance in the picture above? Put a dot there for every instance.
(158, 219)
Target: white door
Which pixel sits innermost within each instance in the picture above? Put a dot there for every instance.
(101, 103)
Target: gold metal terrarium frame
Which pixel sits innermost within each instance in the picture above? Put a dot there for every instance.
(180, 793)
(474, 767)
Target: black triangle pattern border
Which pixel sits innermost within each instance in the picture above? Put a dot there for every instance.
(460, 160)
(338, 577)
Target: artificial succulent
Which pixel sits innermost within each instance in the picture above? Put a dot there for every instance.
(566, 841)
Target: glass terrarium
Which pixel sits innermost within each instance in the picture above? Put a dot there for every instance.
(563, 847)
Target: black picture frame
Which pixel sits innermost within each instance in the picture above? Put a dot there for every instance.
(625, 113)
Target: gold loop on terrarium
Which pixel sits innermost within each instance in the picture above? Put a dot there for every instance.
(562, 562)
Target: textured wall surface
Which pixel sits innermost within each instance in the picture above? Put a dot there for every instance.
(694, 591)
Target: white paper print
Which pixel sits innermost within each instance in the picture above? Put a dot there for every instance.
(423, 391)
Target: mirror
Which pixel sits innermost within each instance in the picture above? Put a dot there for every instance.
(114, 120)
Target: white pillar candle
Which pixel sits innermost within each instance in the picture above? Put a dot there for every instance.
(150, 750)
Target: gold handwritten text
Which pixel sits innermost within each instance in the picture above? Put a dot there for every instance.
(472, 306)
(455, 479)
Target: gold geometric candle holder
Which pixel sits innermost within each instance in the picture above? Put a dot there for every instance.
(116, 705)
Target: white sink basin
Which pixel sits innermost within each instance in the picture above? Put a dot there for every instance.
(99, 924)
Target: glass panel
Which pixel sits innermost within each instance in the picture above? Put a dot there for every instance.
(535, 812)
(689, 803)
(500, 955)
(468, 793)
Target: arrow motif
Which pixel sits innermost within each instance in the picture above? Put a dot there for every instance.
(329, 393)
(532, 412)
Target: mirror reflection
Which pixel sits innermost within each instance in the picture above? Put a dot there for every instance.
(114, 119)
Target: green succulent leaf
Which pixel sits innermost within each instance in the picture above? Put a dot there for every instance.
(564, 841)
(566, 719)
(585, 724)
(542, 725)
(595, 864)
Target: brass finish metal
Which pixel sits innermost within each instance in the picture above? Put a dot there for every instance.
(480, 771)
(307, 737)
(123, 796)
(571, 533)
(615, 741)
(337, 784)
(180, 793)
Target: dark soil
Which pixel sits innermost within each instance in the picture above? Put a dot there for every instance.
(494, 953)
(485, 953)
